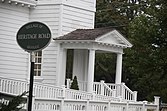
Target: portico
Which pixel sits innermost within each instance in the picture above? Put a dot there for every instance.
(86, 43)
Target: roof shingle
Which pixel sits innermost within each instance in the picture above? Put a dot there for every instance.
(85, 34)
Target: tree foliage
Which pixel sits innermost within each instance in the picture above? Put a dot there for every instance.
(105, 67)
(147, 59)
(144, 23)
(14, 104)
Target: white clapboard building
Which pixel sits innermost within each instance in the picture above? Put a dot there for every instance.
(72, 26)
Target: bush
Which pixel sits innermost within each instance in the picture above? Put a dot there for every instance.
(14, 104)
(74, 84)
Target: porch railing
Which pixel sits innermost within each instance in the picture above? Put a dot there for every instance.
(16, 87)
(11, 86)
(51, 98)
(123, 92)
(91, 105)
(102, 89)
(120, 91)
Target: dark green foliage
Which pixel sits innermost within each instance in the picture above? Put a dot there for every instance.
(145, 25)
(147, 60)
(74, 84)
(105, 67)
(14, 103)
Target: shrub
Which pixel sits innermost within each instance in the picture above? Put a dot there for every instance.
(74, 84)
(14, 104)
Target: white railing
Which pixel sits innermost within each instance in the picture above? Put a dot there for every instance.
(75, 94)
(11, 86)
(108, 89)
(16, 87)
(90, 105)
(50, 98)
(122, 91)
(47, 91)
(127, 94)
(102, 89)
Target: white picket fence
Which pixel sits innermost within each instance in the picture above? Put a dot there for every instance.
(51, 98)
(90, 105)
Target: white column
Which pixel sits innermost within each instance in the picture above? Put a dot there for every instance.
(118, 77)
(91, 64)
(61, 73)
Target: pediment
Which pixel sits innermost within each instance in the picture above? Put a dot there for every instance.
(114, 38)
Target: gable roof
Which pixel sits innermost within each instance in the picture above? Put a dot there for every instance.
(85, 34)
(106, 35)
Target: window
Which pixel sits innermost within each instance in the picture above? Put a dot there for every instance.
(38, 63)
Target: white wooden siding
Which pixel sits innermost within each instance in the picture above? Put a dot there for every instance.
(74, 18)
(49, 63)
(84, 4)
(62, 16)
(13, 60)
(48, 14)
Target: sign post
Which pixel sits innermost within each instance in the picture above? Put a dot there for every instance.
(32, 60)
(33, 37)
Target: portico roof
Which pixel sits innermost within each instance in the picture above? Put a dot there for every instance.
(107, 38)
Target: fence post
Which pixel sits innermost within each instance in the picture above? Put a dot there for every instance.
(33, 101)
(68, 83)
(93, 96)
(102, 87)
(156, 101)
(62, 104)
(109, 105)
(144, 106)
(87, 105)
(127, 106)
(122, 91)
(135, 95)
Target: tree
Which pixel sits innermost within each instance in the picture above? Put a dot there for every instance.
(147, 60)
(143, 22)
(117, 14)
(105, 65)
(74, 84)
(14, 104)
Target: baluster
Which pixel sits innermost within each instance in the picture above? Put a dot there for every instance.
(37, 89)
(40, 91)
(8, 86)
(15, 87)
(5, 86)
(19, 88)
(22, 87)
(1, 85)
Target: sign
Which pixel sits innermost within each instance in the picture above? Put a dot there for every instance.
(33, 36)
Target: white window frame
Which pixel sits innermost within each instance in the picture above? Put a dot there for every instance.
(38, 64)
